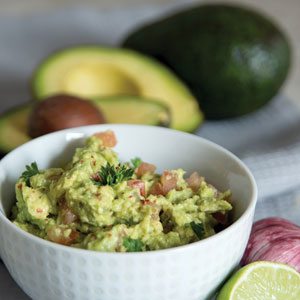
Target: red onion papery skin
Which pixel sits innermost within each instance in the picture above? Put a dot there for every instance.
(272, 221)
(295, 261)
(293, 240)
(264, 232)
(264, 238)
(283, 250)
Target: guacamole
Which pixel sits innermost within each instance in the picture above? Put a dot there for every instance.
(98, 203)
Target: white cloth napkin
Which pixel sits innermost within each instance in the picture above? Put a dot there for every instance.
(268, 141)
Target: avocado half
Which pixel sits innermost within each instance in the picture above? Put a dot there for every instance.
(233, 59)
(121, 109)
(90, 71)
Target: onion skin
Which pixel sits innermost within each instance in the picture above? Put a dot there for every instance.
(272, 222)
(274, 239)
(264, 238)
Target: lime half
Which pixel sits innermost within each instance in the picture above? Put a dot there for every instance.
(262, 281)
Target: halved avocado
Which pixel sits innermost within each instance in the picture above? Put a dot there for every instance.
(130, 110)
(90, 71)
(13, 127)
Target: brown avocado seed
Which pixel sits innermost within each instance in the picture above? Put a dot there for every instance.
(60, 112)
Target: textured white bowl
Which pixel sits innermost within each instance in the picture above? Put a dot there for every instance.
(46, 270)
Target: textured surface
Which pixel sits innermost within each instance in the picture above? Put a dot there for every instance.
(57, 275)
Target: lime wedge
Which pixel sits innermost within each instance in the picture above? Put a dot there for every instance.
(262, 281)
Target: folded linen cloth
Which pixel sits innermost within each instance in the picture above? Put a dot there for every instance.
(268, 141)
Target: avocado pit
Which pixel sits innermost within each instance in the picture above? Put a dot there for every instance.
(60, 112)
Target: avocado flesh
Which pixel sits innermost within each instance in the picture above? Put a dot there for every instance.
(13, 128)
(98, 79)
(125, 110)
(233, 59)
(91, 71)
(131, 110)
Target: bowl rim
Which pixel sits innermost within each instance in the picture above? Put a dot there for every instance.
(82, 129)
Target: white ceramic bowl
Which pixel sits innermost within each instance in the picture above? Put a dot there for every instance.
(46, 270)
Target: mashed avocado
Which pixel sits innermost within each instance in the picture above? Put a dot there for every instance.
(96, 202)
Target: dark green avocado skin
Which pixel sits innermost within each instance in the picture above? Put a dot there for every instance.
(233, 59)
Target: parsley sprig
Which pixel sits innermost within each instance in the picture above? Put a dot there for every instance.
(198, 229)
(133, 245)
(136, 162)
(30, 171)
(111, 175)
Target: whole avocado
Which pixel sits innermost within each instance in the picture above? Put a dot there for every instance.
(233, 59)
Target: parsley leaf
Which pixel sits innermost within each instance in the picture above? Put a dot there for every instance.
(31, 170)
(136, 162)
(198, 229)
(133, 245)
(111, 175)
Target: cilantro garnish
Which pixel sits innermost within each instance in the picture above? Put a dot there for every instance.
(111, 175)
(30, 171)
(133, 245)
(136, 162)
(198, 229)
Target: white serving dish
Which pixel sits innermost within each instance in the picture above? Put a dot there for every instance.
(46, 270)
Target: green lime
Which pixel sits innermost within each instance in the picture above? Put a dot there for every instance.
(262, 281)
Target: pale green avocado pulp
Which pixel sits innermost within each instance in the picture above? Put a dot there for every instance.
(13, 128)
(97, 71)
(98, 80)
(79, 205)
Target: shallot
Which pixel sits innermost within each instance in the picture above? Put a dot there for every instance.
(274, 239)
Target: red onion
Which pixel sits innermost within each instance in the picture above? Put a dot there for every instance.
(273, 221)
(274, 239)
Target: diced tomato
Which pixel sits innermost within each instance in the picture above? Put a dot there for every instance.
(57, 234)
(145, 168)
(168, 181)
(39, 210)
(220, 217)
(138, 184)
(96, 177)
(194, 181)
(147, 202)
(108, 138)
(156, 189)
